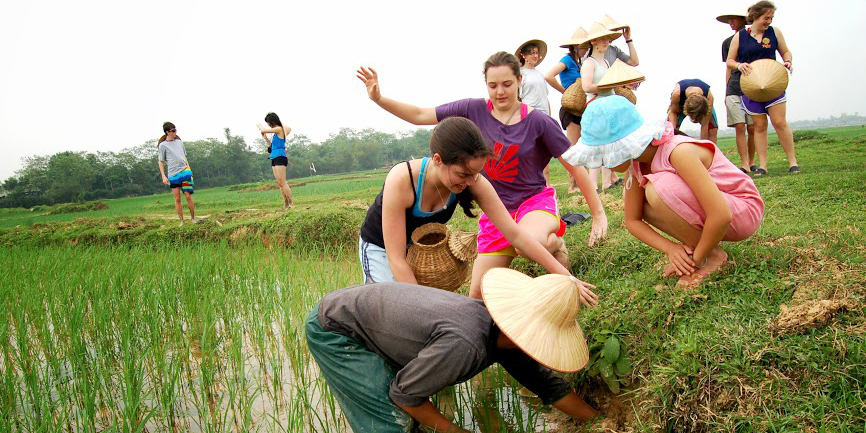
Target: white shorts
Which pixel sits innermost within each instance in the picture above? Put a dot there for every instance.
(736, 113)
(374, 263)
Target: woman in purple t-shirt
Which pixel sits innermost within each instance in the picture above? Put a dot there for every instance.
(523, 141)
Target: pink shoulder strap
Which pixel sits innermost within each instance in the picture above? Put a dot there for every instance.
(524, 110)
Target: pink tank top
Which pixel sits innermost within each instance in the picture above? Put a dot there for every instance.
(739, 190)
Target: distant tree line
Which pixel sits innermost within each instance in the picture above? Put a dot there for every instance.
(81, 176)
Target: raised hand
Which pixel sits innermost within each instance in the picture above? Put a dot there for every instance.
(370, 79)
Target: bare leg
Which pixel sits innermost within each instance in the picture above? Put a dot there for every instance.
(572, 131)
(543, 227)
(191, 205)
(751, 144)
(783, 131)
(613, 176)
(177, 205)
(742, 146)
(546, 174)
(605, 178)
(714, 135)
(483, 264)
(280, 176)
(659, 215)
(761, 139)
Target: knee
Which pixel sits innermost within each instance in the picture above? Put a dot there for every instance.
(740, 128)
(761, 127)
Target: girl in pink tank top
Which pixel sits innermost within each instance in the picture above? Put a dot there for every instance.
(678, 185)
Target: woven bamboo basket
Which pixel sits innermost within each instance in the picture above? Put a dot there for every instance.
(433, 262)
(464, 245)
(574, 99)
(627, 93)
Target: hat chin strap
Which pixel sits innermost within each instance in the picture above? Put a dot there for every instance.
(630, 177)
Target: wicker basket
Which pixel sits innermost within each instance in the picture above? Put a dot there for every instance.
(574, 99)
(627, 93)
(432, 260)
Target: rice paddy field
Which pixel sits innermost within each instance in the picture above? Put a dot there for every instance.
(118, 320)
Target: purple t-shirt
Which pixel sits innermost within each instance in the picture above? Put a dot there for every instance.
(520, 151)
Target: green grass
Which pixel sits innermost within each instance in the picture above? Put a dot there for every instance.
(198, 328)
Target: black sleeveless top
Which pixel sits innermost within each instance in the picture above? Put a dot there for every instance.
(371, 228)
(692, 82)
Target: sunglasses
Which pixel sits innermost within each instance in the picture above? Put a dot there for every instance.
(172, 130)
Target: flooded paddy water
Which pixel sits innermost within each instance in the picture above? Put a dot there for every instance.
(188, 338)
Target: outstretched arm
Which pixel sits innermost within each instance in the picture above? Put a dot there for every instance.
(429, 416)
(575, 407)
(408, 112)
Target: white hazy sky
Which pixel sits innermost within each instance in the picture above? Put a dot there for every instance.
(104, 75)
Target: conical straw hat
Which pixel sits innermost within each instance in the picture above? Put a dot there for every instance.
(539, 315)
(579, 38)
(766, 82)
(464, 245)
(620, 74)
(599, 30)
(738, 10)
(542, 49)
(611, 24)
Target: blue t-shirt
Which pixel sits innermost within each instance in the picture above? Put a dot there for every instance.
(278, 146)
(571, 72)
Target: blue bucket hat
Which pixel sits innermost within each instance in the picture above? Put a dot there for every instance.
(612, 132)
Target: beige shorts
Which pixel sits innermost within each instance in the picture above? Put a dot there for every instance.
(736, 113)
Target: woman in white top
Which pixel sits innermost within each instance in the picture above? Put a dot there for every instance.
(596, 63)
(533, 87)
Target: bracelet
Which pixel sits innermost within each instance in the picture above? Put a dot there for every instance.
(787, 61)
(628, 41)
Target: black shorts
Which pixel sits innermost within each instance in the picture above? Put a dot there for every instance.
(566, 117)
(280, 160)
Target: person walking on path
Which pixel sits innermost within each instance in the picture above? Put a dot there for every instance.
(685, 187)
(693, 98)
(568, 71)
(522, 142)
(384, 349)
(177, 175)
(429, 190)
(737, 116)
(762, 41)
(279, 159)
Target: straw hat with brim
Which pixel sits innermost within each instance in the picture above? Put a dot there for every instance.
(620, 74)
(611, 24)
(612, 132)
(542, 49)
(738, 10)
(766, 82)
(539, 315)
(599, 30)
(579, 38)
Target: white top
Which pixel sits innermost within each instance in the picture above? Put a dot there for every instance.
(600, 70)
(533, 90)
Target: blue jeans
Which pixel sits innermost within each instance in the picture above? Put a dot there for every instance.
(359, 379)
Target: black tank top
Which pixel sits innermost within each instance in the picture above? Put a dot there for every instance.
(692, 82)
(371, 229)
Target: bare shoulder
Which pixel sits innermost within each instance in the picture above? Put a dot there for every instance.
(689, 151)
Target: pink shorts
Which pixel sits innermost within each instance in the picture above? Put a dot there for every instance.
(490, 240)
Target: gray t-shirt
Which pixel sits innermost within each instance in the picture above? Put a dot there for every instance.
(614, 53)
(173, 155)
(431, 337)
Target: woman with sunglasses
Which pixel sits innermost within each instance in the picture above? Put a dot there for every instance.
(174, 168)
(523, 142)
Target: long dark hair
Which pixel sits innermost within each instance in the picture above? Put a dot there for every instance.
(167, 126)
(273, 120)
(457, 141)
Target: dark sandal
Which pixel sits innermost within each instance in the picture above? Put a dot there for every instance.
(760, 172)
(571, 219)
(744, 170)
(753, 167)
(795, 169)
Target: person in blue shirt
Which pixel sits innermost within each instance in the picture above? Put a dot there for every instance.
(278, 157)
